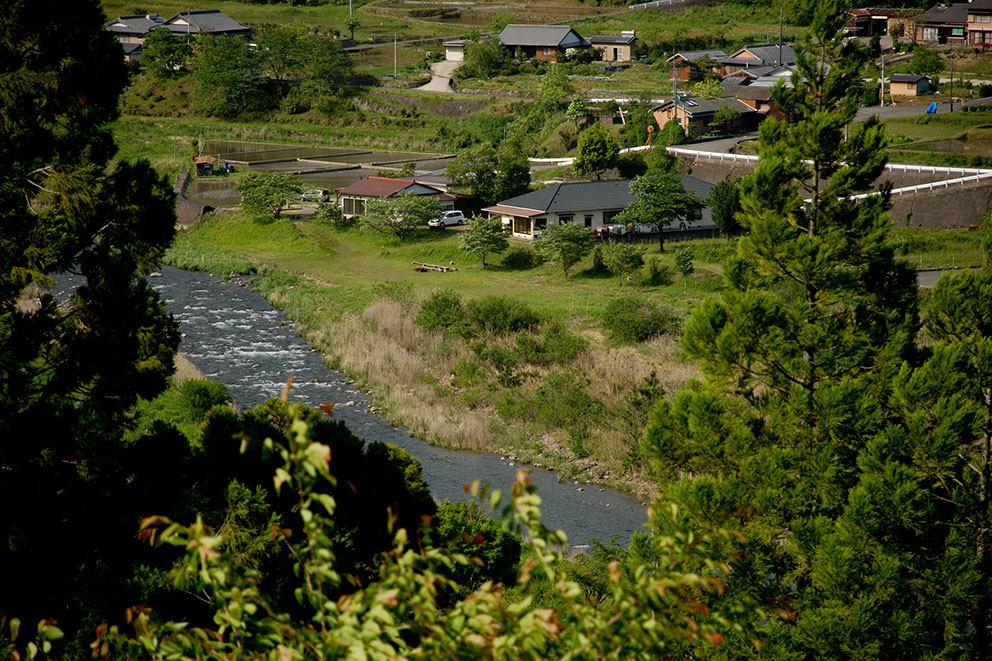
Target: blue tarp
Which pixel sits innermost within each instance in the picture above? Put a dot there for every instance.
(932, 108)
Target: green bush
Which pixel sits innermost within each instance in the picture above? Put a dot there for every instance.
(329, 213)
(520, 257)
(562, 401)
(442, 311)
(198, 396)
(630, 319)
(658, 274)
(464, 528)
(555, 345)
(499, 315)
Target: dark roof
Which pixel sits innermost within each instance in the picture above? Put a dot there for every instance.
(140, 24)
(608, 39)
(956, 14)
(584, 196)
(385, 187)
(768, 53)
(690, 55)
(131, 49)
(205, 21)
(748, 92)
(562, 36)
(906, 78)
(701, 105)
(888, 12)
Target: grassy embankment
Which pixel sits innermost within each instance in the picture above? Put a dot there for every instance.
(356, 297)
(967, 127)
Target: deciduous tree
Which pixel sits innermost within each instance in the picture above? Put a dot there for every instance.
(485, 235)
(622, 258)
(266, 193)
(662, 199)
(229, 78)
(165, 55)
(399, 216)
(564, 244)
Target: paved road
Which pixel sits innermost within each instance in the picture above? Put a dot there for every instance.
(927, 279)
(440, 77)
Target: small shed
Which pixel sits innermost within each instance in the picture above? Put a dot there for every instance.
(204, 165)
(454, 51)
(904, 84)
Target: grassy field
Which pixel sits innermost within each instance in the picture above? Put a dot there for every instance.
(355, 297)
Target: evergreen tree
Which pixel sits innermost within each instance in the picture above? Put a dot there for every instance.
(597, 151)
(798, 358)
(725, 203)
(72, 365)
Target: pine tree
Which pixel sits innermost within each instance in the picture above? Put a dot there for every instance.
(797, 357)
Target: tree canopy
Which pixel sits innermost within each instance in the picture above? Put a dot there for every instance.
(74, 363)
(399, 216)
(597, 151)
(491, 174)
(485, 235)
(662, 199)
(851, 456)
(266, 193)
(565, 244)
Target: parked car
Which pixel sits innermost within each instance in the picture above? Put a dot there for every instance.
(316, 195)
(447, 218)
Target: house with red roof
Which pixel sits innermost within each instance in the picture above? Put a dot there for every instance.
(352, 198)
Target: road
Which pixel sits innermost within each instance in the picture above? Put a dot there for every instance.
(440, 77)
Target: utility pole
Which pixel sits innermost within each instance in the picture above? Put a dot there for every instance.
(882, 95)
(351, 11)
(781, 17)
(952, 84)
(394, 55)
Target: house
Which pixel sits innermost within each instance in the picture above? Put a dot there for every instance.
(881, 21)
(771, 77)
(758, 98)
(943, 24)
(615, 49)
(980, 23)
(904, 84)
(757, 56)
(132, 52)
(352, 198)
(681, 62)
(133, 29)
(697, 113)
(543, 42)
(454, 51)
(206, 21)
(591, 204)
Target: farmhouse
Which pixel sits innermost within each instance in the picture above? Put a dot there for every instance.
(698, 112)
(681, 62)
(542, 42)
(592, 204)
(615, 49)
(352, 198)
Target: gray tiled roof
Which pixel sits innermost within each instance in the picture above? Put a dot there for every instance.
(701, 105)
(906, 78)
(954, 13)
(591, 195)
(205, 21)
(608, 39)
(138, 25)
(541, 35)
(690, 55)
(768, 53)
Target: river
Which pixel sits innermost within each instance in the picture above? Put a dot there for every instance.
(237, 338)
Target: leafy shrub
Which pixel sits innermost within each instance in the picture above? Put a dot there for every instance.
(563, 401)
(200, 395)
(328, 213)
(499, 315)
(464, 528)
(555, 345)
(598, 265)
(442, 311)
(658, 273)
(502, 359)
(631, 165)
(520, 257)
(630, 319)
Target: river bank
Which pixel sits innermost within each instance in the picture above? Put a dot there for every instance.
(234, 336)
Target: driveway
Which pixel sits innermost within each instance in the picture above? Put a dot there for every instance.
(440, 77)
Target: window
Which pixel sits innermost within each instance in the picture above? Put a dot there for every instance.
(588, 220)
(547, 51)
(608, 216)
(696, 214)
(540, 223)
(565, 220)
(977, 18)
(957, 32)
(930, 34)
(521, 225)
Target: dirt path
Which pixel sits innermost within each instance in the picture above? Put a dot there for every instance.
(440, 77)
